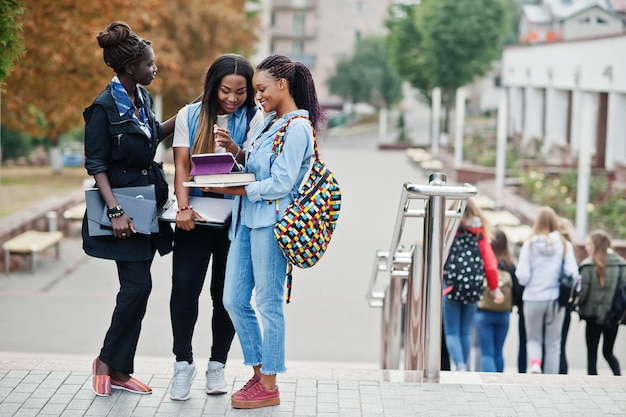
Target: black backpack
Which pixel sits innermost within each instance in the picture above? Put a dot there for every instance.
(617, 314)
(464, 270)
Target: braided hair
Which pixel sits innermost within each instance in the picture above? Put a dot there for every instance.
(300, 80)
(121, 46)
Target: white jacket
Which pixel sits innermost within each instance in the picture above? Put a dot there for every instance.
(539, 266)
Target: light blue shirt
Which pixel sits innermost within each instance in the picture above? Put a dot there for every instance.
(278, 177)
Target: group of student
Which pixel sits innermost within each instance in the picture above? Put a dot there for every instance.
(543, 323)
(121, 137)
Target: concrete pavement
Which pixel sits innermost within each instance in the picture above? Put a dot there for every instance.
(52, 323)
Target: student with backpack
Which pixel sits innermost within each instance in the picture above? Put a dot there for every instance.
(492, 319)
(471, 260)
(538, 269)
(222, 122)
(285, 89)
(601, 272)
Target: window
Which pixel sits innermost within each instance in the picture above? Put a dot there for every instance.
(585, 21)
(298, 24)
(358, 7)
(601, 21)
(297, 48)
(298, 3)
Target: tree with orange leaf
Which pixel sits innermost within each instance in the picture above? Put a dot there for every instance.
(63, 70)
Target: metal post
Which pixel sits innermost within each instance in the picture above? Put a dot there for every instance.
(415, 314)
(433, 267)
(392, 320)
(51, 221)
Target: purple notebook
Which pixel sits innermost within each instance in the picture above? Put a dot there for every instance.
(213, 163)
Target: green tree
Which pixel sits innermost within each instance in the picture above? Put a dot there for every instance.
(454, 42)
(403, 47)
(367, 76)
(11, 47)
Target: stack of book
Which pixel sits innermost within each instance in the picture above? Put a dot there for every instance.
(217, 170)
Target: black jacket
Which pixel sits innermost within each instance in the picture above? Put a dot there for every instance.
(116, 145)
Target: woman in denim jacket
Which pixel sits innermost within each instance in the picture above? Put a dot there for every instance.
(121, 137)
(255, 261)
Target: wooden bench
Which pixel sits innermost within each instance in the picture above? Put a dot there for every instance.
(31, 242)
(73, 214)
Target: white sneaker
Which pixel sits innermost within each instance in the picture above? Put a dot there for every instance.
(184, 373)
(535, 368)
(215, 381)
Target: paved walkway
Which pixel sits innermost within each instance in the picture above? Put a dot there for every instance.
(52, 323)
(30, 386)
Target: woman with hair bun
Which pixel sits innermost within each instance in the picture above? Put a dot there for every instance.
(121, 138)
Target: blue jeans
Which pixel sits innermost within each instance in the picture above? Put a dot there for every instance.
(255, 262)
(457, 325)
(491, 328)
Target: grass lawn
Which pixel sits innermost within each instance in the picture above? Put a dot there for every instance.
(21, 187)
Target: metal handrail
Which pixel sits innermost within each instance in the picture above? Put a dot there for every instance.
(421, 269)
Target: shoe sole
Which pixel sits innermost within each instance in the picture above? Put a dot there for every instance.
(255, 404)
(216, 391)
(130, 390)
(188, 396)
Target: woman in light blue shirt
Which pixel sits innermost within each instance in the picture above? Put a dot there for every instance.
(255, 261)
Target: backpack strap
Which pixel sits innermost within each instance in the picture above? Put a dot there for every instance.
(279, 139)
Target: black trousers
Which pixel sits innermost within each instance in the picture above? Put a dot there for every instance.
(192, 253)
(593, 332)
(120, 342)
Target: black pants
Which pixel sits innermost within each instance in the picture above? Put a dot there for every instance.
(592, 335)
(563, 367)
(192, 252)
(120, 342)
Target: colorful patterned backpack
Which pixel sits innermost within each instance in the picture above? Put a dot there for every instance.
(304, 231)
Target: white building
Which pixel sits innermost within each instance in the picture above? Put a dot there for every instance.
(555, 20)
(553, 86)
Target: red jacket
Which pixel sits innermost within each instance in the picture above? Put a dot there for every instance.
(489, 258)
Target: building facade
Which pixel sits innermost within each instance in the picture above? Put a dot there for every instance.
(553, 87)
(318, 33)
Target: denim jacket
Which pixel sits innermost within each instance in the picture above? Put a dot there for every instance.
(278, 177)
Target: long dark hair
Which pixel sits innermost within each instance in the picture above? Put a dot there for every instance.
(300, 80)
(227, 64)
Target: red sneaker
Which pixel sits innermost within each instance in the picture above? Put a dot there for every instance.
(256, 396)
(251, 382)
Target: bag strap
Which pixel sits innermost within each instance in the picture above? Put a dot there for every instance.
(279, 139)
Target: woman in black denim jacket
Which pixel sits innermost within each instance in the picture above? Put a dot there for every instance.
(121, 137)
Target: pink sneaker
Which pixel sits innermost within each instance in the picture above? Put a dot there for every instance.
(256, 396)
(251, 382)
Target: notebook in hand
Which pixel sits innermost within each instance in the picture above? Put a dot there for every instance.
(213, 163)
(140, 210)
(221, 180)
(95, 206)
(216, 211)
